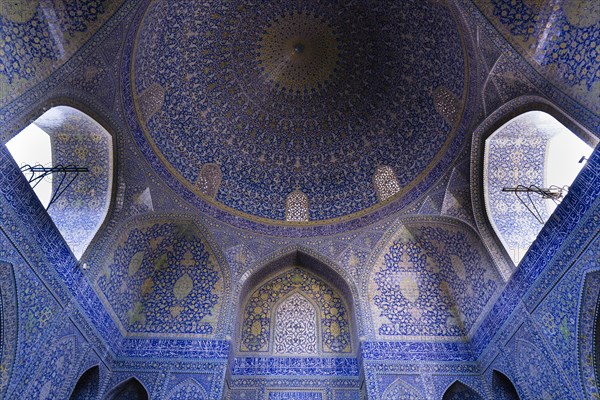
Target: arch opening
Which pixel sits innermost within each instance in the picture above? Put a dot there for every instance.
(502, 387)
(88, 385)
(385, 182)
(68, 159)
(460, 391)
(529, 163)
(311, 264)
(130, 389)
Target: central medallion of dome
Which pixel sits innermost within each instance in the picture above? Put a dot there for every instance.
(298, 53)
(243, 104)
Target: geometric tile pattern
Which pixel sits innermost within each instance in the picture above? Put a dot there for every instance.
(535, 368)
(400, 390)
(556, 316)
(295, 396)
(188, 390)
(295, 366)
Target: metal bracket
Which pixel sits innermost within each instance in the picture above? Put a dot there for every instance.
(553, 192)
(67, 174)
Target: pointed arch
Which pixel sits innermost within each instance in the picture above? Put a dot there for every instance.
(496, 120)
(460, 391)
(88, 385)
(295, 330)
(130, 389)
(525, 152)
(80, 152)
(316, 264)
(296, 206)
(264, 288)
(414, 252)
(385, 182)
(259, 319)
(502, 387)
(192, 301)
(536, 367)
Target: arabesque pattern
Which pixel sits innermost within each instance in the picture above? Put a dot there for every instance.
(259, 319)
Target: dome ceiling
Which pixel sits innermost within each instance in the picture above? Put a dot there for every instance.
(272, 97)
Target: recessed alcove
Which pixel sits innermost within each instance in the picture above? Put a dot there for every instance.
(296, 316)
(88, 385)
(502, 387)
(130, 389)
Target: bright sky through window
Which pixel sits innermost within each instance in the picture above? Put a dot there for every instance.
(565, 150)
(32, 146)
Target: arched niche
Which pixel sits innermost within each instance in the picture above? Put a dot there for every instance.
(289, 279)
(495, 121)
(533, 150)
(310, 266)
(88, 385)
(502, 387)
(162, 274)
(65, 138)
(430, 277)
(131, 389)
(460, 391)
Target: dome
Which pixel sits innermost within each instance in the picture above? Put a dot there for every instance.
(240, 104)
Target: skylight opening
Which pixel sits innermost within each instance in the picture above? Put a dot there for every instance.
(385, 182)
(32, 147)
(531, 155)
(296, 207)
(76, 151)
(566, 157)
